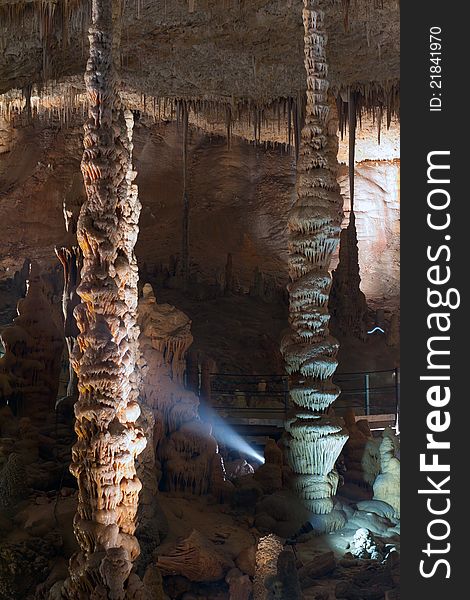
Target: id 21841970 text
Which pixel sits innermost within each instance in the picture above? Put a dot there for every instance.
(435, 69)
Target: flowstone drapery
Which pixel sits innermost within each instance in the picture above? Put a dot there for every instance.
(314, 440)
(103, 458)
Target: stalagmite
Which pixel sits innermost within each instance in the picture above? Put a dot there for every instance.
(314, 440)
(387, 484)
(103, 458)
(348, 305)
(267, 553)
(361, 459)
(71, 261)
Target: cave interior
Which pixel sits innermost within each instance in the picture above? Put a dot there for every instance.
(199, 300)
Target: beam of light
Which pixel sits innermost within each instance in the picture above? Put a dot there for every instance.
(227, 436)
(376, 328)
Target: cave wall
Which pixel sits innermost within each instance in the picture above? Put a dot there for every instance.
(239, 200)
(377, 210)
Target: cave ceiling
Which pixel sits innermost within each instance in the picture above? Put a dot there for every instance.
(250, 50)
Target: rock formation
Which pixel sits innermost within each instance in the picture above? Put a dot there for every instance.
(267, 553)
(158, 499)
(364, 545)
(285, 584)
(12, 481)
(361, 459)
(347, 303)
(240, 586)
(71, 261)
(387, 484)
(393, 332)
(183, 443)
(30, 367)
(103, 458)
(164, 341)
(196, 558)
(269, 474)
(314, 440)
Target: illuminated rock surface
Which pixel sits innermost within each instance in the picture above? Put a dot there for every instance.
(314, 441)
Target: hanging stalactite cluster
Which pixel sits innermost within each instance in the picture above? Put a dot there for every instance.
(54, 22)
(66, 105)
(376, 101)
(276, 124)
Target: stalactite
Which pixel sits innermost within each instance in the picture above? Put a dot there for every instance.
(185, 223)
(103, 458)
(314, 440)
(352, 145)
(51, 20)
(266, 120)
(346, 4)
(371, 99)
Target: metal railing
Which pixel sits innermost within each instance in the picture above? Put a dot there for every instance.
(367, 392)
(238, 392)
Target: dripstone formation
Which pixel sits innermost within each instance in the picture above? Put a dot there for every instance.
(103, 458)
(314, 439)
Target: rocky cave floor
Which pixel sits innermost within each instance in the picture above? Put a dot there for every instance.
(37, 540)
(38, 496)
(38, 500)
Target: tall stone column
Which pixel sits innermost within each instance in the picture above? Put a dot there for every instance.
(314, 439)
(103, 458)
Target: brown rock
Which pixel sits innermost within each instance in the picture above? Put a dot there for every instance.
(246, 561)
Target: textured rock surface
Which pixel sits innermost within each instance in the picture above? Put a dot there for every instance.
(361, 459)
(103, 458)
(377, 210)
(196, 558)
(190, 42)
(267, 553)
(41, 172)
(30, 367)
(183, 444)
(285, 584)
(387, 483)
(13, 481)
(313, 440)
(347, 303)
